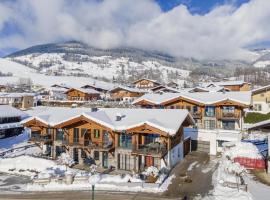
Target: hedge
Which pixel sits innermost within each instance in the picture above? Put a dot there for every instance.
(253, 117)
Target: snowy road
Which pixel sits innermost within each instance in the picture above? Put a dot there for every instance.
(102, 195)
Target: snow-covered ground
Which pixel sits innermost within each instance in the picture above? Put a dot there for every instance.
(102, 66)
(228, 171)
(21, 71)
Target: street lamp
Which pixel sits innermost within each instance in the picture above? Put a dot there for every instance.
(93, 180)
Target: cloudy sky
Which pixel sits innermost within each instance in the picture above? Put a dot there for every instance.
(190, 28)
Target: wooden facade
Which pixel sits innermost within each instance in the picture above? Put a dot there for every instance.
(143, 145)
(122, 93)
(81, 95)
(242, 87)
(225, 114)
(145, 84)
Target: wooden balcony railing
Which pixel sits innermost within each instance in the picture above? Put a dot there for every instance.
(150, 149)
(41, 138)
(229, 115)
(89, 144)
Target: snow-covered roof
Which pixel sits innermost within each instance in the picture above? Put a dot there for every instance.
(267, 87)
(101, 85)
(151, 80)
(223, 83)
(61, 85)
(9, 111)
(87, 91)
(262, 124)
(130, 118)
(15, 95)
(201, 97)
(164, 87)
(129, 89)
(210, 89)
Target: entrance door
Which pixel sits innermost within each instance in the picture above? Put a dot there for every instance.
(149, 161)
(105, 159)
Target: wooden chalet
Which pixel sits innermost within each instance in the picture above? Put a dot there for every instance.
(145, 83)
(125, 139)
(122, 93)
(215, 110)
(80, 94)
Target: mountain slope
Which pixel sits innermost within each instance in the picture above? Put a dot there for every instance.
(121, 64)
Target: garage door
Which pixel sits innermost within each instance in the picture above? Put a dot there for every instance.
(203, 146)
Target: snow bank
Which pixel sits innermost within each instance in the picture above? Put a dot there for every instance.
(25, 165)
(119, 179)
(243, 149)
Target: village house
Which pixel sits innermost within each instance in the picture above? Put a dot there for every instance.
(172, 84)
(218, 115)
(126, 94)
(102, 87)
(145, 83)
(10, 118)
(124, 139)
(80, 94)
(261, 99)
(163, 88)
(18, 100)
(231, 85)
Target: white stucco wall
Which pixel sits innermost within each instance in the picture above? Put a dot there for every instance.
(213, 136)
(176, 155)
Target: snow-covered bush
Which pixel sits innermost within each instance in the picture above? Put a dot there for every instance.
(65, 159)
(151, 171)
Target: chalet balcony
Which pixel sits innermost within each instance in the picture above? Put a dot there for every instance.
(229, 115)
(46, 139)
(150, 149)
(89, 144)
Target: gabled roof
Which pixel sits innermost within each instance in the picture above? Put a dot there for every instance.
(223, 83)
(129, 89)
(164, 87)
(200, 97)
(261, 89)
(16, 95)
(101, 85)
(130, 118)
(9, 111)
(151, 80)
(86, 91)
(209, 89)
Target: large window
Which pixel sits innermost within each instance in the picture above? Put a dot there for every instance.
(228, 109)
(83, 132)
(59, 134)
(125, 141)
(210, 124)
(49, 131)
(210, 111)
(257, 107)
(96, 155)
(151, 138)
(76, 135)
(124, 162)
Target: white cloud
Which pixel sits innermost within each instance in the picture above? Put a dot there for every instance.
(221, 33)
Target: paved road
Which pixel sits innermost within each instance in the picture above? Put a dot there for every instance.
(81, 195)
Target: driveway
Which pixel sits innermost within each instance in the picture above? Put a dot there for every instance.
(193, 176)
